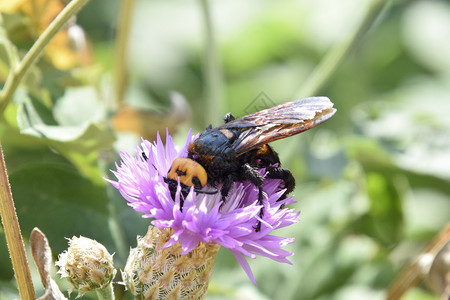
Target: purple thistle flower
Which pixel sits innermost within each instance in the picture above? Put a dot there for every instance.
(141, 183)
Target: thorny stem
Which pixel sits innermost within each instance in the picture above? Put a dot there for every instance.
(123, 33)
(13, 235)
(213, 80)
(18, 72)
(333, 59)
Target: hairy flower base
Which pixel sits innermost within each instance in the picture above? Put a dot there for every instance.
(154, 272)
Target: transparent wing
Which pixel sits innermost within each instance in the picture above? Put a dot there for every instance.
(279, 122)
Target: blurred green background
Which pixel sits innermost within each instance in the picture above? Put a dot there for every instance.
(372, 183)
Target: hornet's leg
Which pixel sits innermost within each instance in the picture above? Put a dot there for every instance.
(254, 177)
(226, 186)
(286, 176)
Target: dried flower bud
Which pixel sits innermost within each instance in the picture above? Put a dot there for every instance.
(86, 264)
(154, 272)
(436, 270)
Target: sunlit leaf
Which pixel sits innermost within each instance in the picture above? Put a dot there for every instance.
(79, 138)
(83, 137)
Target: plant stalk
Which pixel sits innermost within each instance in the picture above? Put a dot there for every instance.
(13, 236)
(122, 40)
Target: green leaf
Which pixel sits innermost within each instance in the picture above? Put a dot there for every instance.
(61, 203)
(83, 137)
(78, 106)
(384, 188)
(385, 218)
(79, 139)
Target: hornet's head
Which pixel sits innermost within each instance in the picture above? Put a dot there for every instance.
(190, 173)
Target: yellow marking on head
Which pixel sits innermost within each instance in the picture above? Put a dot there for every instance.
(190, 172)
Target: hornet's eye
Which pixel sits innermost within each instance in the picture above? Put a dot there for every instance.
(196, 182)
(190, 172)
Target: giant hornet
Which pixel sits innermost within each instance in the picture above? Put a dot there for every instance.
(238, 149)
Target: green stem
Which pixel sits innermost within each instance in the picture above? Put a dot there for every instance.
(115, 227)
(18, 72)
(123, 32)
(105, 294)
(13, 236)
(333, 59)
(213, 80)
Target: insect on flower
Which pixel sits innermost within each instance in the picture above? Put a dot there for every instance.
(238, 149)
(204, 217)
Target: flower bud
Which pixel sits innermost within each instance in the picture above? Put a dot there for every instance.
(86, 264)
